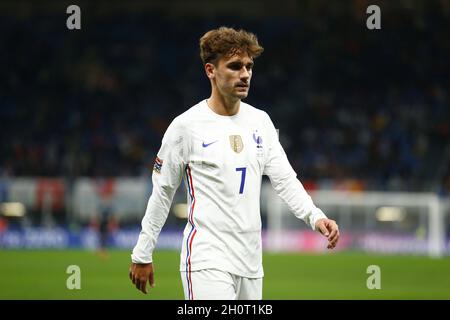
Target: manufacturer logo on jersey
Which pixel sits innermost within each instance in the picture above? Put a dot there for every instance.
(204, 145)
(236, 143)
(158, 165)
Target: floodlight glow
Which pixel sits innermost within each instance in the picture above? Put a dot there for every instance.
(390, 214)
(12, 209)
(180, 210)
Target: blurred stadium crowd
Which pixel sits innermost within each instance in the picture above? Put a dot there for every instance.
(350, 103)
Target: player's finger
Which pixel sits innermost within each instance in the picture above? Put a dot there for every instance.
(332, 235)
(333, 243)
(151, 280)
(143, 283)
(137, 284)
(323, 229)
(335, 237)
(136, 280)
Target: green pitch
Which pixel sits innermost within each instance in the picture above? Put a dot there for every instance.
(42, 275)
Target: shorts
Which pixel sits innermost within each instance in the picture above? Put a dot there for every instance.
(213, 284)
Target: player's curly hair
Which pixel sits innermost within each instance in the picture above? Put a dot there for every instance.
(225, 41)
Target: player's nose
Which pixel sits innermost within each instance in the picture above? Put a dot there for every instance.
(245, 74)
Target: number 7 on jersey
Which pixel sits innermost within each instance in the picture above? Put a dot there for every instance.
(243, 170)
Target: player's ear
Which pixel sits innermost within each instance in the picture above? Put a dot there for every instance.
(209, 69)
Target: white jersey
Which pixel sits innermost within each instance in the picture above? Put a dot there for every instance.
(222, 160)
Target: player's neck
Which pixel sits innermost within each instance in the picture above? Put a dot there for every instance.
(223, 106)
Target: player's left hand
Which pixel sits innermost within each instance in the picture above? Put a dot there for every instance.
(329, 229)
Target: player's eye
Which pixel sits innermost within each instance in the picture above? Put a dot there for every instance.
(235, 66)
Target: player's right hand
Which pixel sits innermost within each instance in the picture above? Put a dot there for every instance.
(140, 273)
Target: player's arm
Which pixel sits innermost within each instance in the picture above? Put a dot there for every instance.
(166, 177)
(290, 189)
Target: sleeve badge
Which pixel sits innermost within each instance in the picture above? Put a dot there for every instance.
(158, 165)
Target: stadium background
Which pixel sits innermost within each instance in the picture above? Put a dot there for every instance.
(82, 114)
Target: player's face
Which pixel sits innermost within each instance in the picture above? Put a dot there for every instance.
(233, 74)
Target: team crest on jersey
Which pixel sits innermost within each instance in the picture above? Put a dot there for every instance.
(158, 165)
(236, 143)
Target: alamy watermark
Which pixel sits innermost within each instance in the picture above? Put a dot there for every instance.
(374, 20)
(374, 280)
(74, 280)
(73, 21)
